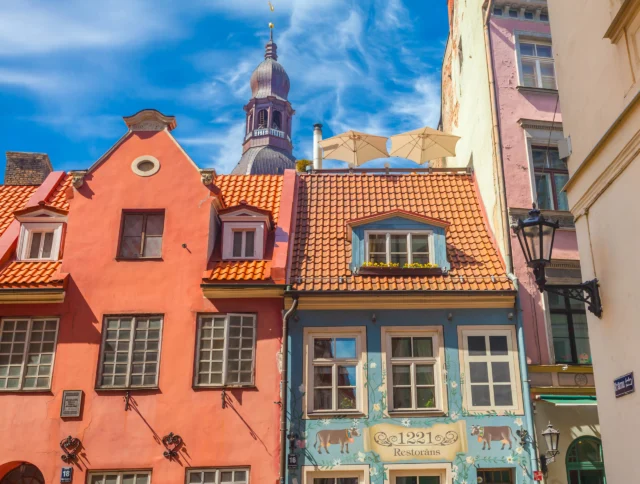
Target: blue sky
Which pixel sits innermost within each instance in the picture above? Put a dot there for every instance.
(69, 70)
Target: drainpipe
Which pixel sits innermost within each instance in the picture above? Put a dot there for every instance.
(497, 142)
(524, 371)
(283, 389)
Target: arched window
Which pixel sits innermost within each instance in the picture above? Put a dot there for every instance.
(262, 118)
(277, 120)
(585, 464)
(24, 474)
(250, 123)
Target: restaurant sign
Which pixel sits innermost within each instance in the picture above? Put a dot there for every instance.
(397, 443)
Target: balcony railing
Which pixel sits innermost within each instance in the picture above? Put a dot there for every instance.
(266, 131)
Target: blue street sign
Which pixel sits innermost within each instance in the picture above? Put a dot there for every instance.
(624, 385)
(67, 474)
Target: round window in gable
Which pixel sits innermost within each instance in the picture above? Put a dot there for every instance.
(145, 165)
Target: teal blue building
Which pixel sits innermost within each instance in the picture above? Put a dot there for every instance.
(405, 361)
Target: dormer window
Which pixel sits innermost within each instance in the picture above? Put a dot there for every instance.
(40, 233)
(244, 232)
(244, 243)
(395, 247)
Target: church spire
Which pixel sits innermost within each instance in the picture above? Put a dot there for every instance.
(271, 49)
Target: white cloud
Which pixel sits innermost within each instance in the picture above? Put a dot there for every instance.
(220, 148)
(422, 104)
(33, 81)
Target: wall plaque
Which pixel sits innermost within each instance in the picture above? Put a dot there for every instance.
(397, 443)
(71, 403)
(624, 385)
(67, 474)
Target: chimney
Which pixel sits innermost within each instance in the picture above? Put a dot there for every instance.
(317, 150)
(26, 168)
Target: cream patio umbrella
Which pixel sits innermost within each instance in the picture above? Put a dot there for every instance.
(355, 148)
(424, 144)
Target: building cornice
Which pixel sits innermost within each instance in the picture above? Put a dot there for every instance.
(625, 15)
(242, 291)
(538, 124)
(32, 296)
(403, 300)
(565, 218)
(563, 390)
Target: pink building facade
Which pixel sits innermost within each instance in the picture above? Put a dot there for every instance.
(499, 93)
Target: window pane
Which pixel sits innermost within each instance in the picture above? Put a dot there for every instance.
(581, 333)
(345, 347)
(424, 375)
(347, 480)
(543, 191)
(528, 15)
(377, 243)
(539, 157)
(132, 225)
(237, 244)
(422, 347)
(480, 396)
(428, 480)
(402, 397)
(527, 49)
(322, 399)
(477, 345)
(38, 358)
(398, 243)
(249, 243)
(499, 345)
(529, 76)
(152, 247)
(130, 247)
(346, 398)
(324, 480)
(322, 376)
(420, 243)
(500, 372)
(346, 376)
(155, 224)
(406, 480)
(478, 372)
(378, 258)
(561, 340)
(34, 250)
(502, 395)
(401, 347)
(555, 301)
(400, 259)
(322, 348)
(560, 181)
(47, 245)
(401, 375)
(426, 397)
(544, 50)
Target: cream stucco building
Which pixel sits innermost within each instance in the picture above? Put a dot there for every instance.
(597, 56)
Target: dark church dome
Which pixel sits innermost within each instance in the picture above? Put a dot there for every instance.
(270, 78)
(264, 160)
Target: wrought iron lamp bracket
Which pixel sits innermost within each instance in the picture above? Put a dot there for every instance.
(70, 447)
(586, 292)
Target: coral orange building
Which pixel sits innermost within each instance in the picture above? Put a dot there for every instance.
(142, 318)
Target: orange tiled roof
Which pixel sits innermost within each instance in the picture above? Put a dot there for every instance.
(30, 275)
(58, 197)
(321, 253)
(12, 198)
(261, 191)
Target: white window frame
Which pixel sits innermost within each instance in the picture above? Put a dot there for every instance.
(243, 244)
(227, 318)
(27, 229)
(441, 470)
(119, 474)
(25, 352)
(538, 40)
(360, 334)
(408, 233)
(129, 363)
(258, 241)
(309, 473)
(437, 336)
(511, 358)
(217, 471)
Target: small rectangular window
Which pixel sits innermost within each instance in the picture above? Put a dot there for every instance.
(217, 476)
(40, 244)
(569, 330)
(141, 235)
(528, 15)
(401, 248)
(120, 477)
(513, 13)
(544, 17)
(496, 476)
(27, 349)
(413, 365)
(244, 244)
(551, 174)
(497, 11)
(130, 351)
(226, 350)
(334, 381)
(490, 366)
(536, 64)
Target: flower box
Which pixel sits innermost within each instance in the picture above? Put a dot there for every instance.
(400, 271)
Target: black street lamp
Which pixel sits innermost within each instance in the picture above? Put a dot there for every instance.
(536, 235)
(551, 438)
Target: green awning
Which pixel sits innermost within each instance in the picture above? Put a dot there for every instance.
(568, 400)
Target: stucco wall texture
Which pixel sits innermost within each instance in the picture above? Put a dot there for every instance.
(112, 438)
